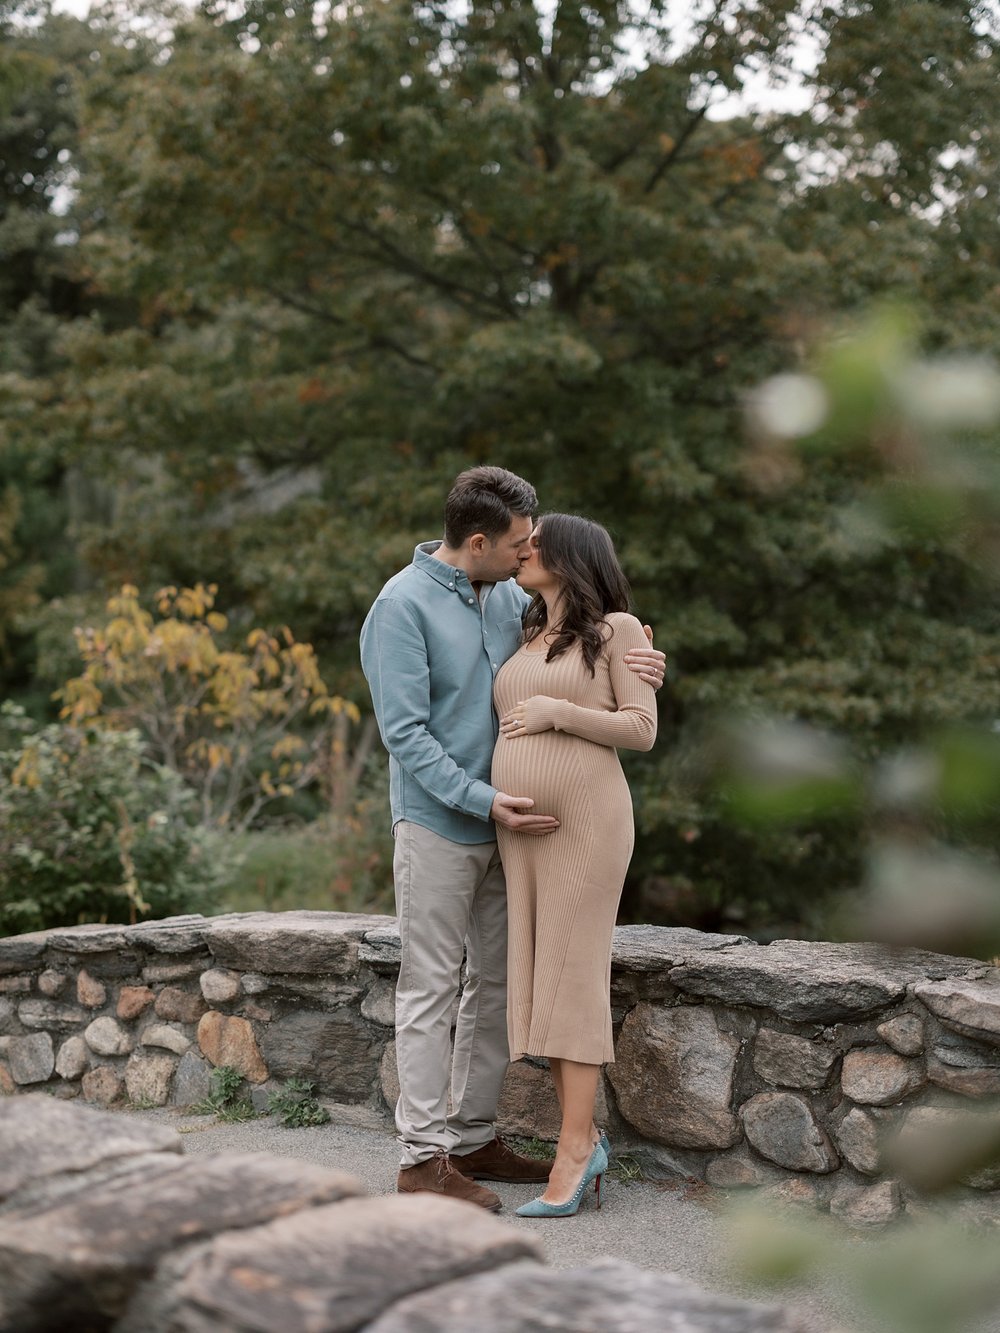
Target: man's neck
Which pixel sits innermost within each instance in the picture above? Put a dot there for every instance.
(450, 556)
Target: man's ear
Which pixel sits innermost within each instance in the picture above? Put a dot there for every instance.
(477, 543)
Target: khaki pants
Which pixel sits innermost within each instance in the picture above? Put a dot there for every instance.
(451, 900)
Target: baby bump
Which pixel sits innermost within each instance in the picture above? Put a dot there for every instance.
(565, 776)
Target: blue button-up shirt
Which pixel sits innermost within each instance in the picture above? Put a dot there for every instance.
(430, 649)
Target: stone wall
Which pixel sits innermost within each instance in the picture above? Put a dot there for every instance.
(105, 1225)
(794, 1067)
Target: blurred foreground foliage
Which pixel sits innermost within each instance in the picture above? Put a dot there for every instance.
(924, 438)
(310, 262)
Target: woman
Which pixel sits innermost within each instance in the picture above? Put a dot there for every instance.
(565, 701)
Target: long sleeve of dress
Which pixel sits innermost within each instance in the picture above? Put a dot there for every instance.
(632, 726)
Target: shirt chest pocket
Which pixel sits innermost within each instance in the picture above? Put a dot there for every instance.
(508, 634)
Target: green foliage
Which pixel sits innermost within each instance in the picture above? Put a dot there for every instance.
(326, 865)
(88, 832)
(296, 1106)
(224, 1100)
(337, 255)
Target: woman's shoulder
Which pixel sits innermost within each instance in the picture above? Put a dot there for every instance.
(622, 625)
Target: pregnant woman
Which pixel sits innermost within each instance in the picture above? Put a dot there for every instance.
(566, 701)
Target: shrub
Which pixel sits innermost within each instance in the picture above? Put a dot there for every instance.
(91, 832)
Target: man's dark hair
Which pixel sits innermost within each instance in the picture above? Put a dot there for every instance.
(485, 499)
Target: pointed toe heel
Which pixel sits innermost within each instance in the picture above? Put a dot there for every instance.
(594, 1170)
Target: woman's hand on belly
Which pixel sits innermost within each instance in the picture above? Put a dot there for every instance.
(528, 717)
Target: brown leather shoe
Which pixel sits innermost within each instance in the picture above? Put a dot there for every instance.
(437, 1175)
(499, 1161)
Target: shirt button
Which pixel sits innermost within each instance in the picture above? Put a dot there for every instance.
(452, 586)
(472, 601)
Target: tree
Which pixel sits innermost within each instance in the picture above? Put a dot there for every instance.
(230, 722)
(371, 246)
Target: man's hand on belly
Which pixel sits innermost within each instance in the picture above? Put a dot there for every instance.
(507, 811)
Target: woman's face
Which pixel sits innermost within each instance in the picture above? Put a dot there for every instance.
(533, 573)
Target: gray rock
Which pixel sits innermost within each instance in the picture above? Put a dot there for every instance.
(858, 1136)
(51, 1015)
(106, 1036)
(51, 982)
(170, 1038)
(656, 948)
(782, 1127)
(905, 1034)
(336, 1268)
(40, 1137)
(732, 1172)
(971, 1069)
(866, 1205)
(879, 1077)
(87, 939)
(8, 1016)
(673, 1077)
(31, 1058)
(147, 1078)
(337, 1051)
(790, 1061)
(179, 1006)
(173, 934)
(808, 982)
(794, 1194)
(189, 967)
(73, 1059)
(379, 949)
(969, 1007)
(379, 1005)
(90, 992)
(102, 1085)
(607, 1296)
(15, 985)
(252, 983)
(192, 1081)
(219, 985)
(313, 942)
(76, 1265)
(20, 952)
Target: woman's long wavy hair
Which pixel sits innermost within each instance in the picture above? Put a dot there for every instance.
(582, 557)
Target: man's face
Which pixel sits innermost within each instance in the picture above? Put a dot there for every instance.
(501, 558)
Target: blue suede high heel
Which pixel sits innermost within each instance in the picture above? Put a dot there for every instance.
(605, 1144)
(594, 1170)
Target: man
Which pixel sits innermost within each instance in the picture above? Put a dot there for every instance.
(430, 647)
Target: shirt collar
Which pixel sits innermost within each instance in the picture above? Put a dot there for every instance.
(447, 575)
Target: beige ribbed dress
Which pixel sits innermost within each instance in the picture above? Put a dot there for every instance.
(563, 889)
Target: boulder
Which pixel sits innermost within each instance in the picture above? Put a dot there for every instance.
(219, 985)
(102, 1085)
(90, 992)
(673, 1077)
(31, 1058)
(132, 1001)
(878, 1077)
(179, 1006)
(50, 1016)
(313, 942)
(192, 1080)
(230, 1041)
(812, 982)
(41, 1137)
(168, 1037)
(76, 1263)
(969, 1007)
(782, 1127)
(338, 1051)
(904, 1033)
(858, 1136)
(106, 1036)
(338, 1267)
(73, 1059)
(790, 1061)
(605, 1296)
(866, 1205)
(147, 1078)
